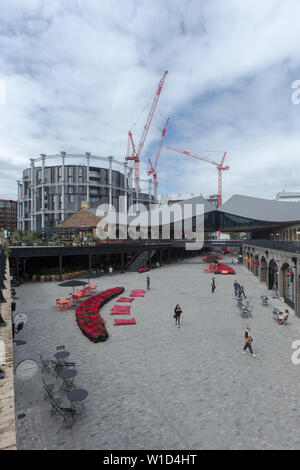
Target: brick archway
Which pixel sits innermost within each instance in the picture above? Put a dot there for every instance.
(272, 278)
(263, 270)
(256, 265)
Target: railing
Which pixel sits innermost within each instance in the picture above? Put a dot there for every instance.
(289, 246)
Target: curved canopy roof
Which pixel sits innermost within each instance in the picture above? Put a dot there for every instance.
(266, 210)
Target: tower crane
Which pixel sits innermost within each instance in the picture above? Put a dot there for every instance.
(220, 167)
(152, 170)
(135, 154)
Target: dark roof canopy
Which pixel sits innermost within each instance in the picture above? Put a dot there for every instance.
(268, 210)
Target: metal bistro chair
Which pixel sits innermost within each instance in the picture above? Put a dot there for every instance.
(45, 365)
(57, 367)
(55, 402)
(70, 364)
(68, 414)
(48, 390)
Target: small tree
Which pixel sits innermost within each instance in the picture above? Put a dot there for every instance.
(4, 243)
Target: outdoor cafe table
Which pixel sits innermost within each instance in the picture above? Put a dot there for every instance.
(61, 355)
(77, 395)
(79, 294)
(67, 375)
(64, 302)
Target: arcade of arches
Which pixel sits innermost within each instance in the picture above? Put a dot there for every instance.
(279, 270)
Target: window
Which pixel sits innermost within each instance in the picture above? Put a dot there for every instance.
(70, 190)
(72, 198)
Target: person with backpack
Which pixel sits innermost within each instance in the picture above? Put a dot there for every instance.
(248, 342)
(177, 313)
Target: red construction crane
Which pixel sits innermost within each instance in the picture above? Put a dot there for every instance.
(220, 168)
(153, 169)
(135, 156)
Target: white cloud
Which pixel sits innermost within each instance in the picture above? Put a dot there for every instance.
(86, 69)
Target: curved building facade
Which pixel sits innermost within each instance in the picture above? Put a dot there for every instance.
(49, 192)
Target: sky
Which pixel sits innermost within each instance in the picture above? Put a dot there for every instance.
(77, 75)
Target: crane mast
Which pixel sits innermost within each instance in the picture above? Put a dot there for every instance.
(135, 155)
(220, 167)
(152, 169)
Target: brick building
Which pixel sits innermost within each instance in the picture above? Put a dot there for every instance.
(8, 215)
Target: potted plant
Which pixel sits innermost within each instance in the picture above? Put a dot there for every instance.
(90, 239)
(76, 240)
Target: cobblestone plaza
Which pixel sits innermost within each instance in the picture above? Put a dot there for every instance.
(155, 386)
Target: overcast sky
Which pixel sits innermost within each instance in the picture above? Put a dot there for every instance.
(79, 73)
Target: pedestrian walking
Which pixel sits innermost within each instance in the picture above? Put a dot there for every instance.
(248, 342)
(148, 282)
(242, 292)
(110, 269)
(177, 314)
(213, 285)
(236, 287)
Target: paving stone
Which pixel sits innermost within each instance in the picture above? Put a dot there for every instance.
(155, 386)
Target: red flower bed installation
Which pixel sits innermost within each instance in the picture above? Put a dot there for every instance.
(210, 258)
(224, 269)
(88, 318)
(131, 321)
(219, 268)
(143, 270)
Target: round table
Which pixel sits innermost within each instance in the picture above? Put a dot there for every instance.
(61, 355)
(67, 376)
(76, 396)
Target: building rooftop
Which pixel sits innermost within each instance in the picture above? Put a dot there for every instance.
(269, 210)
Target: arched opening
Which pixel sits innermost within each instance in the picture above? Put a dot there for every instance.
(248, 257)
(287, 284)
(263, 270)
(251, 262)
(272, 275)
(256, 265)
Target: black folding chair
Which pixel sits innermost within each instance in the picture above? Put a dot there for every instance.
(45, 365)
(48, 390)
(57, 367)
(70, 364)
(55, 402)
(68, 414)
